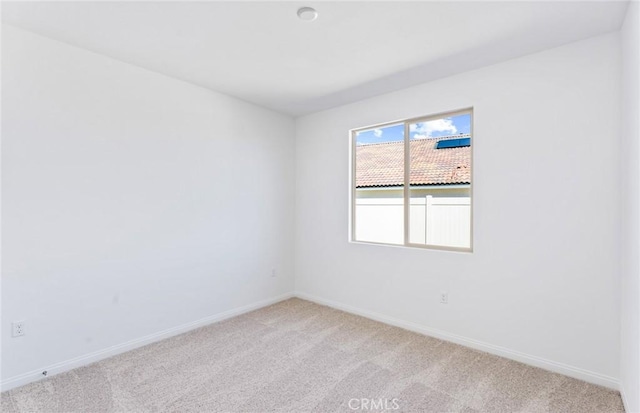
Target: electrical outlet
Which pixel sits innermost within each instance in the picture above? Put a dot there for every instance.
(444, 297)
(274, 274)
(17, 328)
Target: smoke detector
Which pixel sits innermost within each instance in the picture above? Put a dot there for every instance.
(308, 14)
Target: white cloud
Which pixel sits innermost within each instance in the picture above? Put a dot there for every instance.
(425, 130)
(377, 132)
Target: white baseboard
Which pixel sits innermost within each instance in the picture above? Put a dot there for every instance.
(57, 368)
(556, 367)
(624, 400)
(561, 368)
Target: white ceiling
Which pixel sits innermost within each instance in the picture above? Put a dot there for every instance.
(261, 52)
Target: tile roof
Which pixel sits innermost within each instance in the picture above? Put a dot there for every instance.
(381, 164)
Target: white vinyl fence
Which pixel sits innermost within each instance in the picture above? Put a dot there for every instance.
(443, 221)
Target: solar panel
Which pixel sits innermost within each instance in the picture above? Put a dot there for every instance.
(453, 143)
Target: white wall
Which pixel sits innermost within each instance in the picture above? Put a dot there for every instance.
(132, 202)
(542, 282)
(630, 248)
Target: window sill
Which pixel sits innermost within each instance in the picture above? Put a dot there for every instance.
(417, 246)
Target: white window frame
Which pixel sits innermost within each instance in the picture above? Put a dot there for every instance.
(406, 186)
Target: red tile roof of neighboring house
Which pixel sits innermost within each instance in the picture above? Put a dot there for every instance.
(381, 164)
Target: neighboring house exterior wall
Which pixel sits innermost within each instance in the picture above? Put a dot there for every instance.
(398, 192)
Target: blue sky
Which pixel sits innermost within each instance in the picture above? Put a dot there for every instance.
(453, 125)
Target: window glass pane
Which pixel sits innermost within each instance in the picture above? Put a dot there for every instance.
(440, 182)
(379, 180)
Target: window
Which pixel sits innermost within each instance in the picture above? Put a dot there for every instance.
(411, 182)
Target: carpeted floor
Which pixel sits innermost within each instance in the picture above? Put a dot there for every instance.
(296, 356)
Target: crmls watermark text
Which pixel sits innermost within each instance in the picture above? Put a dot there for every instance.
(374, 404)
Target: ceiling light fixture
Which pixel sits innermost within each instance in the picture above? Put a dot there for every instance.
(308, 14)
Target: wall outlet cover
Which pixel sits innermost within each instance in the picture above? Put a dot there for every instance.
(17, 328)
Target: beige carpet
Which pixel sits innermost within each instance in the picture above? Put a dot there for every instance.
(296, 356)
